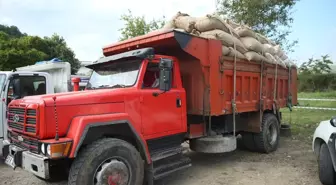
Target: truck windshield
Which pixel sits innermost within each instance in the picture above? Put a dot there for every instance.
(114, 75)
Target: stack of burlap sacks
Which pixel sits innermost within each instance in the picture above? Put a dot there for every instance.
(238, 41)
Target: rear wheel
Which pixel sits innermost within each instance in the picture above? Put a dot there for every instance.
(107, 161)
(267, 140)
(326, 169)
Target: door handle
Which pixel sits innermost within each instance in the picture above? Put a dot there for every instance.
(178, 102)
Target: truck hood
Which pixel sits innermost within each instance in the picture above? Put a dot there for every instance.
(80, 97)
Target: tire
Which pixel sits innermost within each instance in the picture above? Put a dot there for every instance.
(107, 160)
(325, 166)
(247, 141)
(267, 140)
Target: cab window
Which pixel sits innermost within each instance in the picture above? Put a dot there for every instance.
(152, 75)
(21, 86)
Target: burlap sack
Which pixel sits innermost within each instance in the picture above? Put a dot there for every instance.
(268, 48)
(195, 32)
(233, 53)
(271, 58)
(171, 23)
(252, 44)
(244, 31)
(289, 63)
(208, 36)
(226, 39)
(284, 57)
(253, 56)
(278, 51)
(280, 62)
(264, 40)
(225, 50)
(210, 22)
(231, 23)
(185, 22)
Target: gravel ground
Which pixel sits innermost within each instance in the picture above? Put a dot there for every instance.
(293, 164)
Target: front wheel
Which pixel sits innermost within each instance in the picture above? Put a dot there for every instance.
(107, 161)
(326, 169)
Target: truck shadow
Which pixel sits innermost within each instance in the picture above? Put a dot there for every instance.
(228, 167)
(204, 163)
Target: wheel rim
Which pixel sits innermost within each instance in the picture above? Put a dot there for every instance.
(272, 134)
(112, 172)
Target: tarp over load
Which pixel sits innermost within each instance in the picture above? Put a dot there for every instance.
(237, 40)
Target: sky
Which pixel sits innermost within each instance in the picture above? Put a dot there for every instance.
(88, 25)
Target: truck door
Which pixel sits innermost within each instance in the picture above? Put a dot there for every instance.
(2, 106)
(161, 114)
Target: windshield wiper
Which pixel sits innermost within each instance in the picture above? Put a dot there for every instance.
(118, 86)
(104, 86)
(108, 86)
(111, 86)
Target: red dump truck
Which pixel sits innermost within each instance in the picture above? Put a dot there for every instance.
(145, 98)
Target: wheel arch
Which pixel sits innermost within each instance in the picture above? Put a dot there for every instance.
(332, 149)
(317, 145)
(85, 131)
(318, 142)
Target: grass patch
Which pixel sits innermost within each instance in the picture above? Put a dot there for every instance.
(304, 121)
(327, 104)
(329, 94)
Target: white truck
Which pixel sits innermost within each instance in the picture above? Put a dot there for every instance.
(45, 77)
(325, 151)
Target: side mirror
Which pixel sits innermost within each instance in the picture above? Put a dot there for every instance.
(166, 66)
(333, 121)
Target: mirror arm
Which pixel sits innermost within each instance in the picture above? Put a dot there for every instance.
(156, 94)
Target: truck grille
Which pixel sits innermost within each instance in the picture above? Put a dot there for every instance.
(22, 119)
(24, 142)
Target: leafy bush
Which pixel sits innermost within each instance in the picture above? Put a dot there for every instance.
(317, 82)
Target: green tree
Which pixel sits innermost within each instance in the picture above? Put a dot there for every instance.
(137, 25)
(317, 66)
(57, 48)
(12, 31)
(19, 49)
(272, 18)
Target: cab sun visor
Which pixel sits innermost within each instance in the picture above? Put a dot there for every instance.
(139, 53)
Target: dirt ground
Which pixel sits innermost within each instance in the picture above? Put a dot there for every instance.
(292, 164)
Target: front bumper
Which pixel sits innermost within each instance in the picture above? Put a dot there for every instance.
(36, 164)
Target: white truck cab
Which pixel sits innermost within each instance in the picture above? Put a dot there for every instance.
(325, 151)
(16, 85)
(45, 77)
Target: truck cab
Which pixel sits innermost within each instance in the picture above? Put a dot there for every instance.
(16, 85)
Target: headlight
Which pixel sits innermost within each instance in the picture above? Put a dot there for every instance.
(43, 148)
(333, 121)
(48, 150)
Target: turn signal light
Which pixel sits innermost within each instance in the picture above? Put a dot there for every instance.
(56, 150)
(59, 150)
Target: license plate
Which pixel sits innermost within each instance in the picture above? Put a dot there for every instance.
(10, 161)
